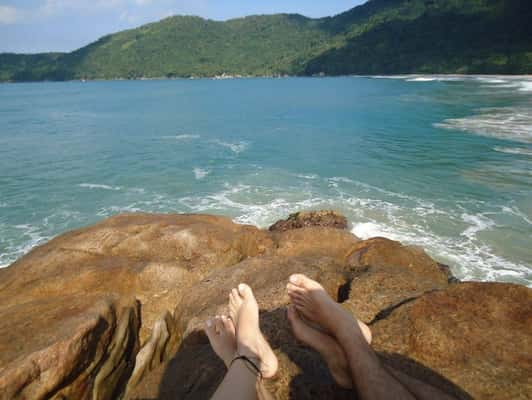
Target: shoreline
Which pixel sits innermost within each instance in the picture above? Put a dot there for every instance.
(234, 77)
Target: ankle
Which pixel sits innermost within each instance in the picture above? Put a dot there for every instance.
(349, 330)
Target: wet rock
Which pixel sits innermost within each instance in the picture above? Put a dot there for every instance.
(325, 218)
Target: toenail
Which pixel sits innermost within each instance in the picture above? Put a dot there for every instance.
(209, 323)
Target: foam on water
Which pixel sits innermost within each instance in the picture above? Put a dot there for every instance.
(396, 216)
(183, 137)
(471, 211)
(99, 186)
(510, 123)
(526, 86)
(200, 173)
(422, 79)
(514, 150)
(236, 148)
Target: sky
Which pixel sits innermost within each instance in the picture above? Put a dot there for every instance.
(32, 26)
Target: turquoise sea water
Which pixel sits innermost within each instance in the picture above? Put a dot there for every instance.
(441, 162)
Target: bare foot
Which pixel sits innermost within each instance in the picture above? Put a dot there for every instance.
(313, 302)
(244, 311)
(328, 348)
(221, 334)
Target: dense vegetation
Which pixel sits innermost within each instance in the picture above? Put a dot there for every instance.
(381, 36)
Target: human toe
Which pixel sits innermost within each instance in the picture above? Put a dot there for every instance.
(218, 324)
(303, 281)
(245, 291)
(228, 324)
(210, 328)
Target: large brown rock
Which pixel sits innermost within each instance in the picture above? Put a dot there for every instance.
(476, 335)
(84, 349)
(89, 314)
(324, 218)
(387, 274)
(315, 241)
(48, 298)
(194, 371)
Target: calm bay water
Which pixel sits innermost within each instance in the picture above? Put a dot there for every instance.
(441, 162)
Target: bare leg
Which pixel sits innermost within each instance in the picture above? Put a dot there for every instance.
(336, 360)
(244, 311)
(241, 335)
(373, 381)
(422, 390)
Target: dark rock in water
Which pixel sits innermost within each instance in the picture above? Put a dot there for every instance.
(116, 309)
(325, 218)
(447, 270)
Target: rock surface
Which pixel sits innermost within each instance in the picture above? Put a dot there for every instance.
(325, 218)
(477, 335)
(116, 310)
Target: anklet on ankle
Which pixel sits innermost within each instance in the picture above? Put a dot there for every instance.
(249, 365)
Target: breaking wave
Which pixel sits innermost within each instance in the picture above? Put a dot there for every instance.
(236, 148)
(98, 186)
(509, 123)
(200, 173)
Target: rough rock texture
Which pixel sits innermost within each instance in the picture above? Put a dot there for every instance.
(49, 299)
(315, 241)
(116, 309)
(325, 218)
(195, 364)
(93, 347)
(477, 335)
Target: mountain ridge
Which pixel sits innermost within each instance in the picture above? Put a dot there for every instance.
(380, 36)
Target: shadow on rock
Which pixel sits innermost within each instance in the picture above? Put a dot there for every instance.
(195, 371)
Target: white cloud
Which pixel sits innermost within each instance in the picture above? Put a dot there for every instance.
(9, 15)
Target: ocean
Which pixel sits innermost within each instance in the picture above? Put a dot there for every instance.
(443, 162)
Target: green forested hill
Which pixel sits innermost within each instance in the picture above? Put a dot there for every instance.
(381, 36)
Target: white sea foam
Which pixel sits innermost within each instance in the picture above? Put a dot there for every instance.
(378, 212)
(307, 176)
(525, 86)
(236, 148)
(513, 210)
(485, 79)
(367, 230)
(99, 186)
(422, 79)
(514, 150)
(477, 223)
(182, 137)
(32, 236)
(510, 123)
(200, 173)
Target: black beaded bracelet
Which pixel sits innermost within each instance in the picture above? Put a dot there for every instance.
(249, 364)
